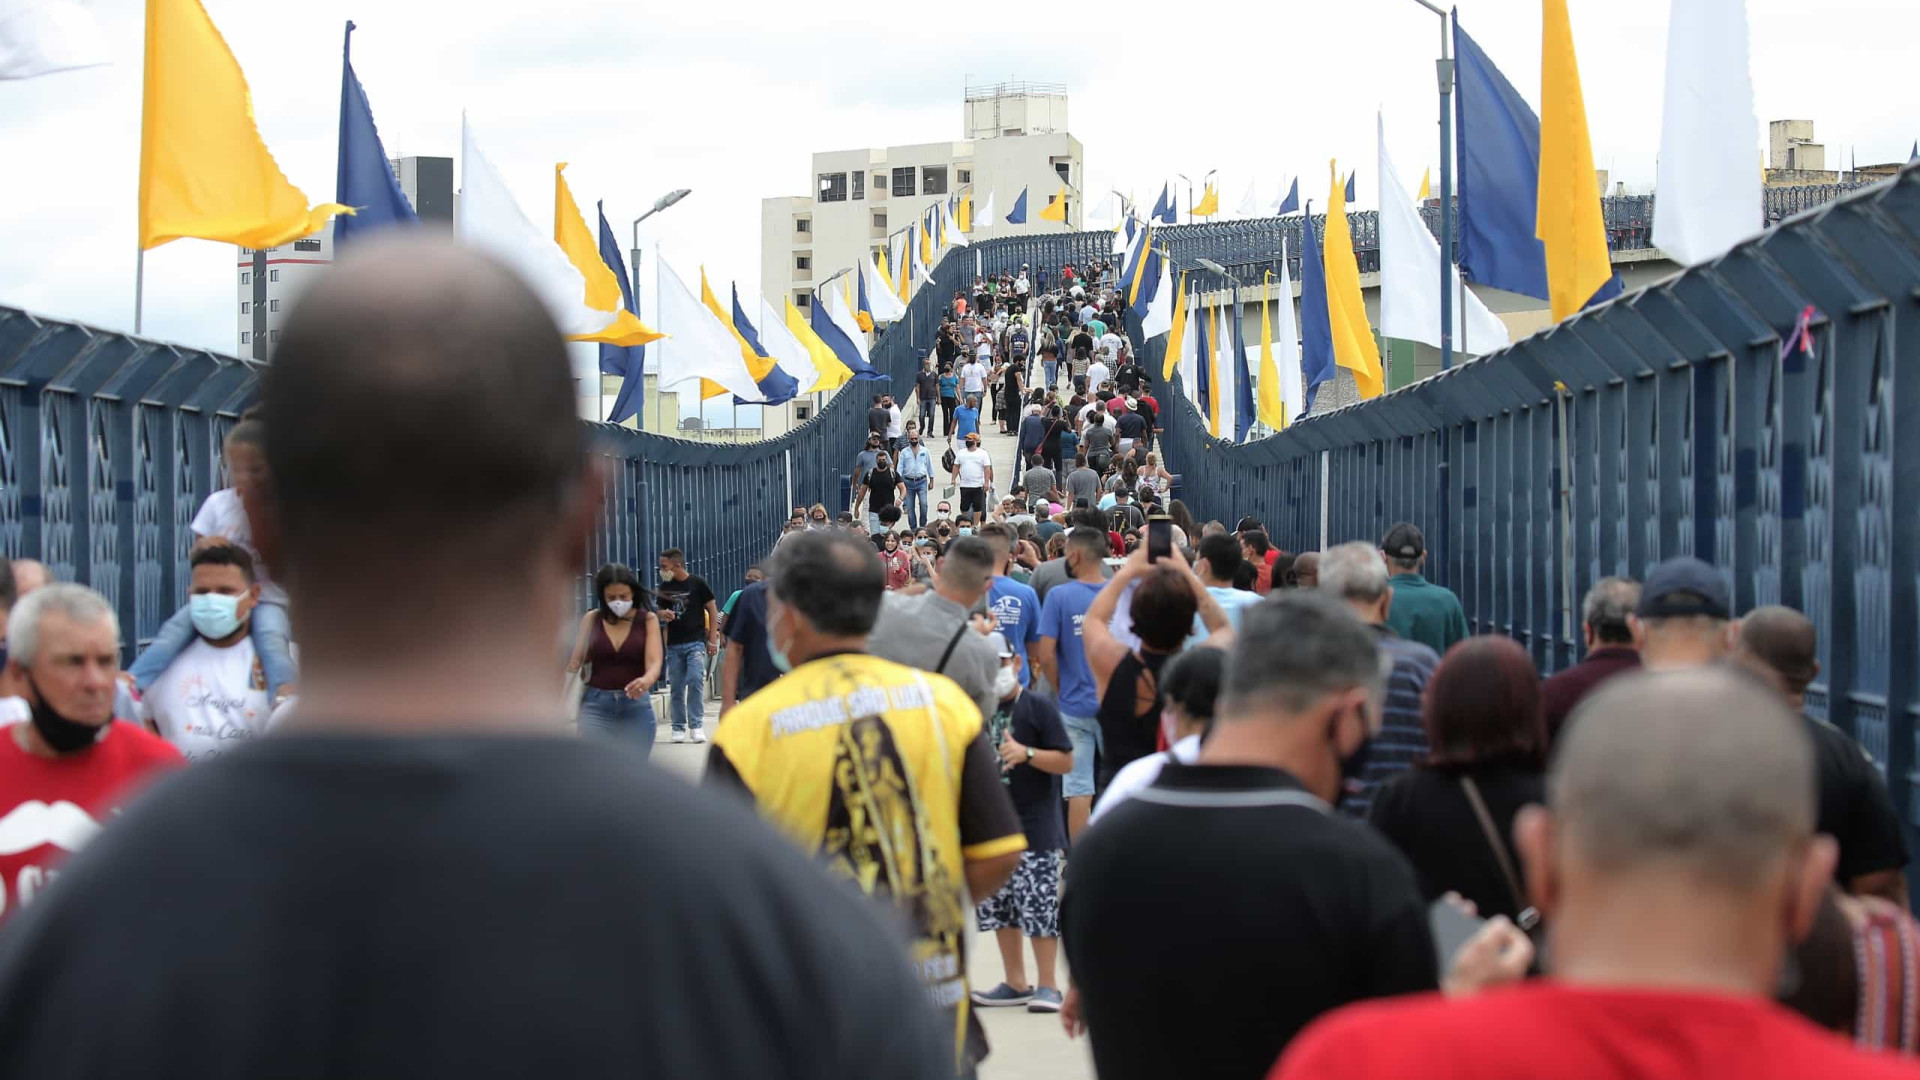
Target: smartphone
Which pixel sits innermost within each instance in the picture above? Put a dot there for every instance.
(1159, 537)
(1451, 928)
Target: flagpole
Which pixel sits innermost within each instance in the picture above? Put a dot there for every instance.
(1444, 69)
(139, 285)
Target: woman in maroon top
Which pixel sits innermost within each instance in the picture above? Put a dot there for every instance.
(621, 639)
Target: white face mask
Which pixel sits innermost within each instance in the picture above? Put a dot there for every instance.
(620, 607)
(1005, 683)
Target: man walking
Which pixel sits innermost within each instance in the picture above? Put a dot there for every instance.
(690, 618)
(1422, 611)
(1606, 617)
(212, 698)
(1061, 656)
(973, 472)
(1354, 575)
(928, 389)
(934, 630)
(916, 468)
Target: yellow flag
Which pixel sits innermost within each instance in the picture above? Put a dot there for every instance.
(1268, 406)
(880, 264)
(926, 243)
(603, 289)
(1426, 186)
(204, 171)
(904, 280)
(1353, 344)
(1177, 335)
(757, 366)
(1208, 205)
(1567, 220)
(1057, 209)
(833, 373)
(964, 219)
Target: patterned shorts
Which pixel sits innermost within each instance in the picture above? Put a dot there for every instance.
(1030, 900)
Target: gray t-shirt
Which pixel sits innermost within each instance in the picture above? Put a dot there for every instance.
(916, 630)
(1083, 483)
(1098, 439)
(1039, 481)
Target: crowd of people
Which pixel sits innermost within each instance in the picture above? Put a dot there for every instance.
(1250, 812)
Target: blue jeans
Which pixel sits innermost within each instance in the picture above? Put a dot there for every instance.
(1088, 742)
(1053, 372)
(687, 685)
(614, 715)
(916, 503)
(268, 628)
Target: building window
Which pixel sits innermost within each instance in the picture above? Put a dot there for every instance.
(860, 184)
(802, 298)
(879, 219)
(246, 279)
(965, 176)
(933, 180)
(903, 180)
(273, 305)
(306, 245)
(833, 187)
(246, 251)
(803, 225)
(802, 411)
(246, 338)
(1061, 167)
(273, 275)
(246, 308)
(803, 262)
(879, 185)
(273, 335)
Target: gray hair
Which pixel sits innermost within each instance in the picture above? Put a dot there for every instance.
(1296, 649)
(77, 602)
(1700, 769)
(969, 564)
(1354, 571)
(1607, 606)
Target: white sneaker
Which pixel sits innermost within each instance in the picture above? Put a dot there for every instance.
(679, 736)
(699, 734)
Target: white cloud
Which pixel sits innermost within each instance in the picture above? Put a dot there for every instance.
(730, 100)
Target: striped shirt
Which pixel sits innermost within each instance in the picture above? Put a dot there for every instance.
(1402, 740)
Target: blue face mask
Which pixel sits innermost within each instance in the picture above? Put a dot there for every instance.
(966, 530)
(214, 616)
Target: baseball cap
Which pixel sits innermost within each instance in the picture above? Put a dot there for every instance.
(1682, 587)
(1404, 541)
(1000, 647)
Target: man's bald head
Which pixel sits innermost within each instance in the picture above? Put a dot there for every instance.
(421, 396)
(1699, 771)
(1784, 640)
(30, 574)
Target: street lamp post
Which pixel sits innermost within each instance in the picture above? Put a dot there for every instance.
(659, 204)
(1444, 69)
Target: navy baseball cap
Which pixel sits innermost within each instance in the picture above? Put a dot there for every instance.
(1404, 541)
(1684, 587)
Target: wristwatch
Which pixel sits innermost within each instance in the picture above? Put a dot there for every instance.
(1029, 753)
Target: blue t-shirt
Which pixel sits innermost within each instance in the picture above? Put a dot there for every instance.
(949, 385)
(1069, 445)
(1016, 612)
(1233, 604)
(1060, 619)
(965, 421)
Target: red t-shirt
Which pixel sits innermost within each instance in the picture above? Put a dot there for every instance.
(53, 806)
(1546, 1029)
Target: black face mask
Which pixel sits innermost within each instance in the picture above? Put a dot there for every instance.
(62, 734)
(1353, 768)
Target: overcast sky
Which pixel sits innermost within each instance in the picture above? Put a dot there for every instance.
(730, 98)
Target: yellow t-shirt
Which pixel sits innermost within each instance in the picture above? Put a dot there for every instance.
(860, 760)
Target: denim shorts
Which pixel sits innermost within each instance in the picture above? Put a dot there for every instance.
(1084, 731)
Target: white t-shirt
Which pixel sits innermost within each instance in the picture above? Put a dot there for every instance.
(1020, 285)
(1086, 313)
(896, 427)
(973, 377)
(209, 699)
(1140, 773)
(223, 515)
(1097, 372)
(1110, 345)
(973, 466)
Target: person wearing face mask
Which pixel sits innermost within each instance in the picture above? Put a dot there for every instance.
(1034, 753)
(213, 696)
(621, 639)
(1149, 901)
(70, 765)
(915, 466)
(940, 827)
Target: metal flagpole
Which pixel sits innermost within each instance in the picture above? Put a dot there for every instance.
(139, 285)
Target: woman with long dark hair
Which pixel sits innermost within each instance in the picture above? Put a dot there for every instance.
(620, 637)
(1452, 815)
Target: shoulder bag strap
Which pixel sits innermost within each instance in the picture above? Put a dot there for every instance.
(952, 644)
(1493, 841)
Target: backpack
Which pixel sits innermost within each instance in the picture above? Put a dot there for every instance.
(1119, 520)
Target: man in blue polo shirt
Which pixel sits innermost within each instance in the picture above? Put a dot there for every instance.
(1422, 611)
(1062, 658)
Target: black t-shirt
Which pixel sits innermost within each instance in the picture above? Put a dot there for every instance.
(1855, 808)
(747, 629)
(1033, 721)
(945, 348)
(1132, 425)
(688, 601)
(929, 385)
(878, 420)
(1128, 377)
(1214, 914)
(315, 906)
(881, 489)
(1426, 814)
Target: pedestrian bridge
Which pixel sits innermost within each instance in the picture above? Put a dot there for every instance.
(1747, 411)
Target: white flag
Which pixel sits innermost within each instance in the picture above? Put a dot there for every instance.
(1190, 357)
(697, 345)
(1250, 202)
(1286, 335)
(1159, 317)
(1707, 197)
(1104, 215)
(886, 306)
(39, 37)
(955, 238)
(786, 349)
(1410, 275)
(842, 316)
(490, 220)
(983, 216)
(1226, 356)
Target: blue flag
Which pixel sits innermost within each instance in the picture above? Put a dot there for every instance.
(1203, 363)
(628, 362)
(776, 387)
(1350, 177)
(1316, 329)
(1019, 214)
(1242, 381)
(836, 339)
(1165, 210)
(1290, 204)
(364, 180)
(1498, 150)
